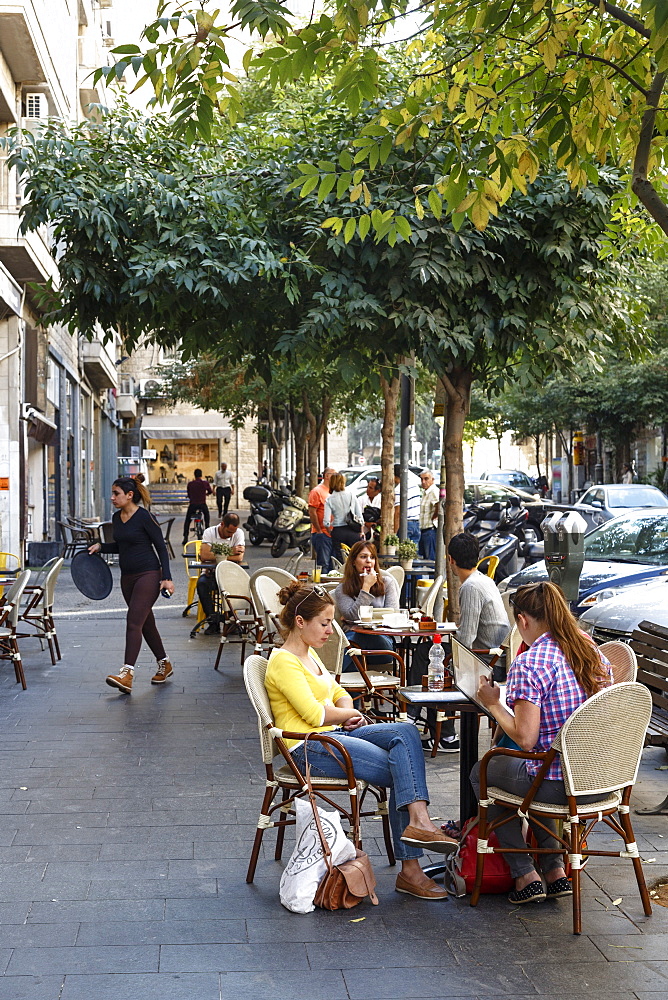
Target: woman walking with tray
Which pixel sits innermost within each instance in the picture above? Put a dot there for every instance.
(144, 572)
(305, 698)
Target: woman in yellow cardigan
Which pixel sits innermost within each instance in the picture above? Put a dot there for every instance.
(305, 698)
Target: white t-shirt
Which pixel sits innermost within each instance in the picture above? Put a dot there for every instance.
(224, 479)
(211, 537)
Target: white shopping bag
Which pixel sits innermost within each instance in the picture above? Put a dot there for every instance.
(306, 867)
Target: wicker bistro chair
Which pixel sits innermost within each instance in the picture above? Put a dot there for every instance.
(38, 612)
(239, 621)
(281, 578)
(267, 590)
(429, 600)
(600, 746)
(622, 659)
(379, 691)
(291, 782)
(399, 574)
(74, 539)
(9, 618)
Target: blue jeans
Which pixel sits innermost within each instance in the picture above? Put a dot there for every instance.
(367, 642)
(427, 543)
(413, 531)
(322, 546)
(388, 754)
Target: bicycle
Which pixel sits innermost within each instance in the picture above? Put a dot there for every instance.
(197, 524)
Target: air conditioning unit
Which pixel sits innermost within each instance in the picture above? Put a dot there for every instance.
(37, 106)
(149, 388)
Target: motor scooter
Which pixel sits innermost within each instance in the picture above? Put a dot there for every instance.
(292, 527)
(265, 504)
(498, 529)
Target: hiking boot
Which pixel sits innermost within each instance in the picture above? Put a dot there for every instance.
(122, 680)
(163, 672)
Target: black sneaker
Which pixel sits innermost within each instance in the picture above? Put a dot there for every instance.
(212, 629)
(445, 746)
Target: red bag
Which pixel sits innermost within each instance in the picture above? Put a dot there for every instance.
(462, 864)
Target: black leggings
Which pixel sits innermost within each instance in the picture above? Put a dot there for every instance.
(140, 591)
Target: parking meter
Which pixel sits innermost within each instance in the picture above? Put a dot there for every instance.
(564, 550)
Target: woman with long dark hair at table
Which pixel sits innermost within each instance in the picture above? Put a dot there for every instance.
(558, 672)
(145, 570)
(305, 698)
(365, 585)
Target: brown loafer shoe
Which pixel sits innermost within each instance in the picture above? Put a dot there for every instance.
(432, 840)
(423, 890)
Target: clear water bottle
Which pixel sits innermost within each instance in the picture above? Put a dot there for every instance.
(436, 672)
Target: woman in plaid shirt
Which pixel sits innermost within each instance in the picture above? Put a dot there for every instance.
(559, 671)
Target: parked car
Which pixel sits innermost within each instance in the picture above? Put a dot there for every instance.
(512, 477)
(358, 477)
(485, 491)
(616, 617)
(615, 499)
(625, 551)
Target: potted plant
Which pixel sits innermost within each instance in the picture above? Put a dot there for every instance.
(390, 542)
(221, 551)
(406, 553)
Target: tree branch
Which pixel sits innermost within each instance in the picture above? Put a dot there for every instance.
(640, 185)
(621, 15)
(613, 66)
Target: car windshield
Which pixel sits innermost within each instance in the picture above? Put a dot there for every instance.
(350, 475)
(636, 498)
(642, 539)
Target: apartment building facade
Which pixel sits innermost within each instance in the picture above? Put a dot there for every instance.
(58, 418)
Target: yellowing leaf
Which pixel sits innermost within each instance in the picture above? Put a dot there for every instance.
(349, 230)
(616, 902)
(480, 215)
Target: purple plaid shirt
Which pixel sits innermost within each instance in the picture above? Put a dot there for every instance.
(543, 676)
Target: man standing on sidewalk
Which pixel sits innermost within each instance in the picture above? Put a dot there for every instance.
(320, 536)
(224, 483)
(428, 515)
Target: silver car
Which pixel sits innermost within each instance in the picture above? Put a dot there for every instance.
(618, 616)
(616, 499)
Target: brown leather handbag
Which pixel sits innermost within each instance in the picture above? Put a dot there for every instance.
(343, 886)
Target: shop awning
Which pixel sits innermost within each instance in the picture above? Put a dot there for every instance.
(40, 427)
(188, 427)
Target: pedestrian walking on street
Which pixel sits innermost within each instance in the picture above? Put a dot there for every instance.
(224, 483)
(145, 570)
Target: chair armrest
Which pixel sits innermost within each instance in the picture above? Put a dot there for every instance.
(547, 756)
(355, 651)
(283, 734)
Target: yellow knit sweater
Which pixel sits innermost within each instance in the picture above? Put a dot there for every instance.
(297, 697)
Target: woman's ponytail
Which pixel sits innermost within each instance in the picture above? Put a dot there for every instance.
(545, 602)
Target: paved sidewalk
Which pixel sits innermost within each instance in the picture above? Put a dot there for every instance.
(125, 832)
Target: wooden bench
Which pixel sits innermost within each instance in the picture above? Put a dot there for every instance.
(650, 644)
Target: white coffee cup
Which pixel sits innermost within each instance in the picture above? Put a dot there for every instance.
(366, 612)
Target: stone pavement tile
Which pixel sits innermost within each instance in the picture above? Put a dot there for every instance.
(615, 976)
(317, 984)
(14, 913)
(31, 987)
(205, 850)
(86, 910)
(521, 950)
(196, 986)
(177, 851)
(356, 954)
(321, 925)
(32, 935)
(447, 980)
(287, 956)
(152, 888)
(252, 904)
(120, 932)
(14, 855)
(620, 948)
(232, 868)
(131, 958)
(27, 886)
(63, 852)
(560, 921)
(108, 870)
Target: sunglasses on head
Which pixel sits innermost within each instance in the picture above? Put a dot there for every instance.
(315, 589)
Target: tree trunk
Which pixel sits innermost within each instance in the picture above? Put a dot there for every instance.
(299, 430)
(275, 444)
(498, 448)
(457, 386)
(536, 442)
(317, 422)
(390, 390)
(260, 446)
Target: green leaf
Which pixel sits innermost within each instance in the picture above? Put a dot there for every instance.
(349, 230)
